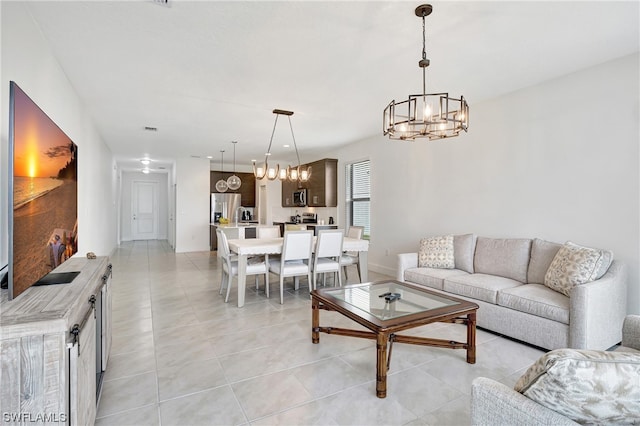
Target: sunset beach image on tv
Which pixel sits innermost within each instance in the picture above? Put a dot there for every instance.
(45, 213)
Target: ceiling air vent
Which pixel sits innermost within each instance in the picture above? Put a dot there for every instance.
(150, 129)
(166, 3)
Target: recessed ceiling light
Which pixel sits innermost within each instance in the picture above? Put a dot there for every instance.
(145, 161)
(145, 171)
(285, 146)
(209, 157)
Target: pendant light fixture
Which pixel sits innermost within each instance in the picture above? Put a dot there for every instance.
(293, 174)
(234, 182)
(221, 184)
(433, 115)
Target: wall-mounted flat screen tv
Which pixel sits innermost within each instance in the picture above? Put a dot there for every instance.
(43, 196)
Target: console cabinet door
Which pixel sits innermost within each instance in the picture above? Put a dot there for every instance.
(106, 319)
(82, 371)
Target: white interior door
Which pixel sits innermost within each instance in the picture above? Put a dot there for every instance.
(144, 214)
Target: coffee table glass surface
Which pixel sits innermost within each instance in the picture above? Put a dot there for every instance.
(389, 300)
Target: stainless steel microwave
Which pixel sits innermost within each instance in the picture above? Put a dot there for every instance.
(300, 197)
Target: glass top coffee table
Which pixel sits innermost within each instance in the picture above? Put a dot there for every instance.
(387, 307)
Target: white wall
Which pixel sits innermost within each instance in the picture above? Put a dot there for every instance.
(558, 161)
(27, 60)
(163, 202)
(192, 201)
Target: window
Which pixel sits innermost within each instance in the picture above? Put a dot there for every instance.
(358, 191)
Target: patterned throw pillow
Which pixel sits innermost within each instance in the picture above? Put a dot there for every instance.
(573, 265)
(436, 252)
(589, 387)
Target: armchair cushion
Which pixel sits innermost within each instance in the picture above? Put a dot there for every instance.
(586, 386)
(574, 265)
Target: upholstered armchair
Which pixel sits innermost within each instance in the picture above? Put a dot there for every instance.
(550, 391)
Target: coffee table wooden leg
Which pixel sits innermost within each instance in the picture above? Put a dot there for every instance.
(315, 320)
(381, 365)
(471, 338)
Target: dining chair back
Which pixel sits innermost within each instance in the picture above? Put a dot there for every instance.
(295, 260)
(355, 232)
(268, 232)
(352, 258)
(230, 266)
(327, 254)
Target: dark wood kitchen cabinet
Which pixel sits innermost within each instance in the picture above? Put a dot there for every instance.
(247, 189)
(322, 188)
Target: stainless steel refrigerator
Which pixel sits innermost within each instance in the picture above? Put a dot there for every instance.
(224, 205)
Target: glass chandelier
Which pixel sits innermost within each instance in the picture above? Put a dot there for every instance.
(221, 184)
(293, 174)
(427, 115)
(234, 182)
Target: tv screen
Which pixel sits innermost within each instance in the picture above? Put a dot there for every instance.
(43, 196)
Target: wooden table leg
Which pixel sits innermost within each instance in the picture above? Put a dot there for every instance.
(471, 338)
(381, 365)
(315, 320)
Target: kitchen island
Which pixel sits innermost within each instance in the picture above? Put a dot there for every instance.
(241, 230)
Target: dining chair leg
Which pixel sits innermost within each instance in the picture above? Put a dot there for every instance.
(266, 283)
(339, 278)
(296, 282)
(221, 280)
(315, 285)
(281, 290)
(229, 278)
(359, 276)
(324, 279)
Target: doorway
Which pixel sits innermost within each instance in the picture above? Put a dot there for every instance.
(144, 210)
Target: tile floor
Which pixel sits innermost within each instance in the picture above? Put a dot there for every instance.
(181, 356)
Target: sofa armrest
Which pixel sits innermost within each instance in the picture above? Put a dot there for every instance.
(597, 310)
(493, 403)
(405, 261)
(631, 332)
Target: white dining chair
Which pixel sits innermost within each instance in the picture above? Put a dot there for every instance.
(295, 260)
(268, 232)
(326, 257)
(352, 258)
(230, 266)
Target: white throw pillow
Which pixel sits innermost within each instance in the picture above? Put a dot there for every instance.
(589, 387)
(436, 252)
(574, 265)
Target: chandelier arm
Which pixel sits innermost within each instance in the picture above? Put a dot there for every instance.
(273, 132)
(294, 140)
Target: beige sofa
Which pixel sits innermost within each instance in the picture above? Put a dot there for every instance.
(506, 278)
(608, 381)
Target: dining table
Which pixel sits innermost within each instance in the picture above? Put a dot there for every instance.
(246, 248)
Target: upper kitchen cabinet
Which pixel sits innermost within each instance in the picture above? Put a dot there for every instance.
(247, 189)
(322, 188)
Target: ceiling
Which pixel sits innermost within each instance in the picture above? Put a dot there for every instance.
(205, 73)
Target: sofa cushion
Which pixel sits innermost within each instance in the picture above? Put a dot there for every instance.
(430, 277)
(542, 254)
(464, 247)
(478, 286)
(507, 258)
(436, 252)
(538, 300)
(574, 265)
(593, 387)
